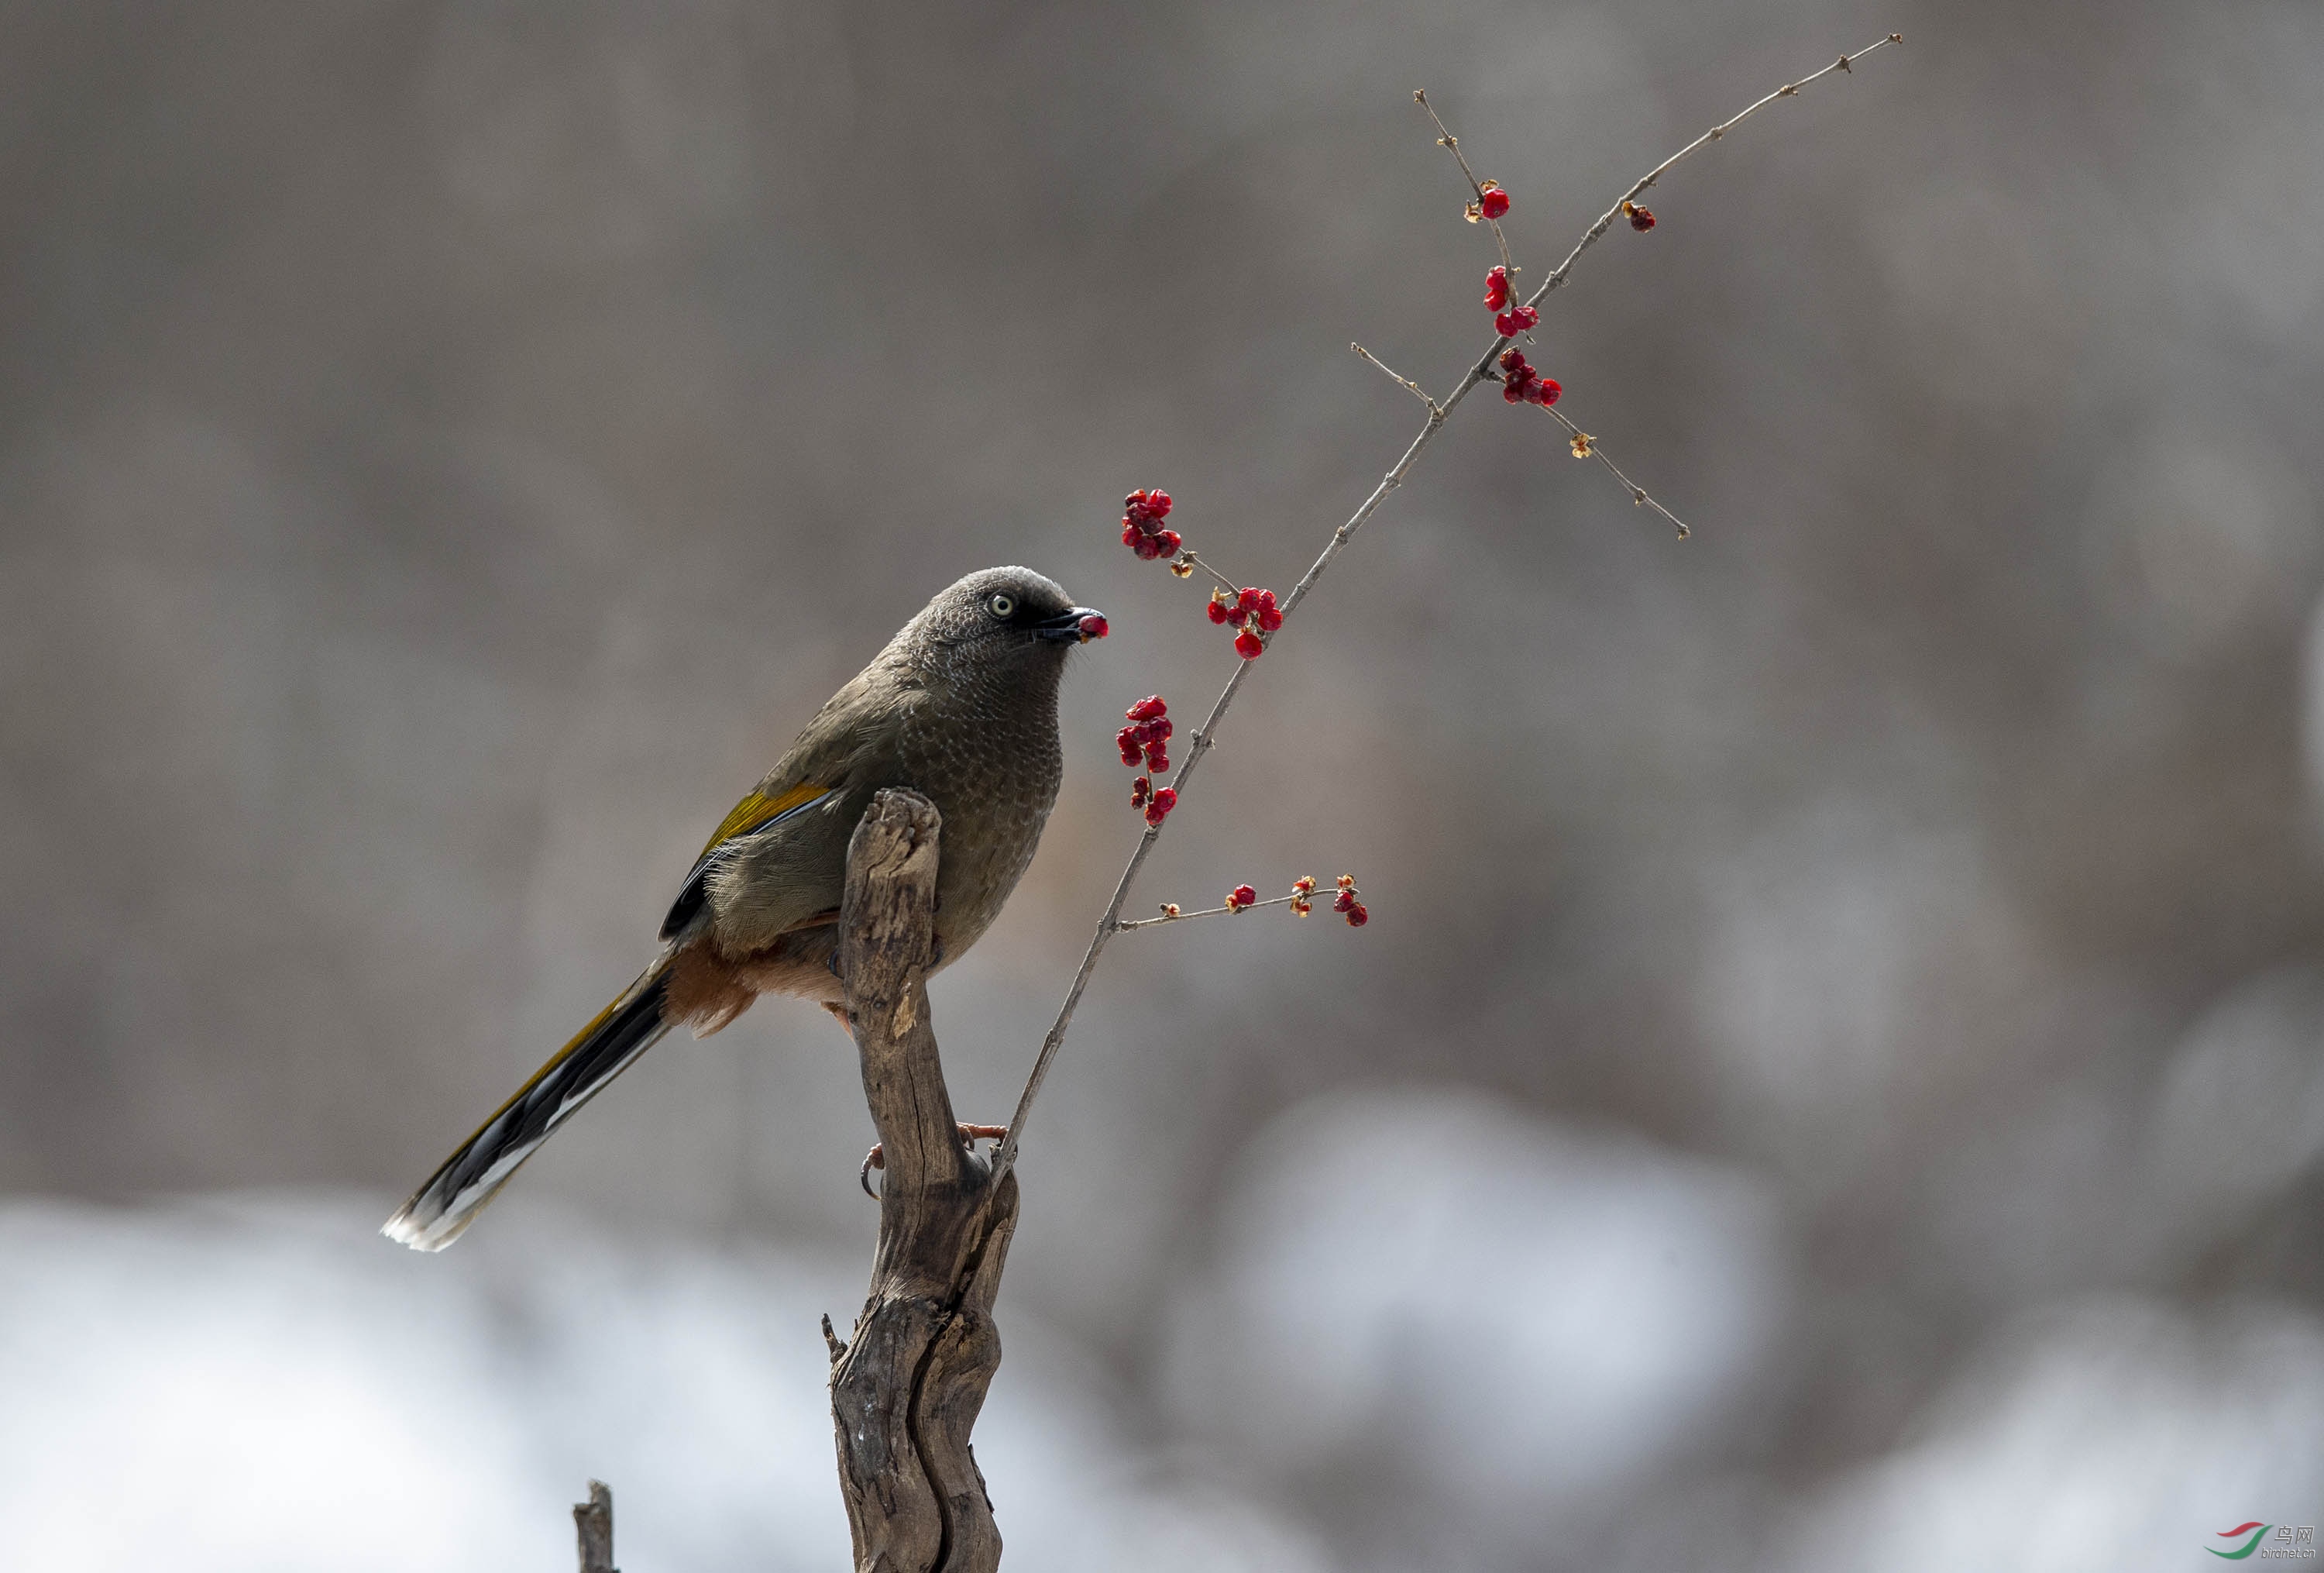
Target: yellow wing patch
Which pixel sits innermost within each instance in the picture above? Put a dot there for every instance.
(757, 809)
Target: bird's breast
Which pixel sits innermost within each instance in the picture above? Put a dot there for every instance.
(994, 783)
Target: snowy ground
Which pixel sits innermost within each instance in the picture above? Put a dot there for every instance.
(1562, 1344)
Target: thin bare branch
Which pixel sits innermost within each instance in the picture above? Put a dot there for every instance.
(1587, 447)
(1407, 384)
(1200, 561)
(1110, 925)
(1203, 740)
(1172, 914)
(1606, 219)
(1452, 144)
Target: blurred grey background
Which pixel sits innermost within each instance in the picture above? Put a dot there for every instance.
(1835, 1076)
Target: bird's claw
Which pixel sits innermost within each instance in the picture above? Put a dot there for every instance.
(970, 1135)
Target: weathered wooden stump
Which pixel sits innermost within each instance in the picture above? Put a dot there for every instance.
(907, 1386)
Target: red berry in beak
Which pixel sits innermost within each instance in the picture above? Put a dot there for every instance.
(1096, 626)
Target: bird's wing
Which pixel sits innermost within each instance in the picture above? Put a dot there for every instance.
(779, 859)
(759, 812)
(759, 809)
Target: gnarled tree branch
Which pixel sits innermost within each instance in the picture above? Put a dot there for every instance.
(907, 1387)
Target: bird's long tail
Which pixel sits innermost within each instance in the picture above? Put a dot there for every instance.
(457, 1191)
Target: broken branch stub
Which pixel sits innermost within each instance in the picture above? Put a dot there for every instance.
(593, 1526)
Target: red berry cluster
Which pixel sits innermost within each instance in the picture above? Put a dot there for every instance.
(1303, 892)
(1517, 320)
(1146, 737)
(1641, 219)
(1521, 384)
(1251, 611)
(1142, 513)
(1146, 741)
(1241, 896)
(1497, 290)
(1157, 801)
(1494, 202)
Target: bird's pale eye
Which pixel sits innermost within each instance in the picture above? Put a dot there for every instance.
(1001, 605)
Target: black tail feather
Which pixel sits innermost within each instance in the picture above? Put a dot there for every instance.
(458, 1191)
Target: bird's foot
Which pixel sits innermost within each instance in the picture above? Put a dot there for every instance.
(970, 1135)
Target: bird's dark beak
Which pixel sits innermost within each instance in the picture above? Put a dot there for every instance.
(1074, 624)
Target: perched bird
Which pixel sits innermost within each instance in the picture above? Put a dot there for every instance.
(962, 706)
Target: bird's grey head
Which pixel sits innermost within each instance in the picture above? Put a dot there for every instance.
(1005, 618)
